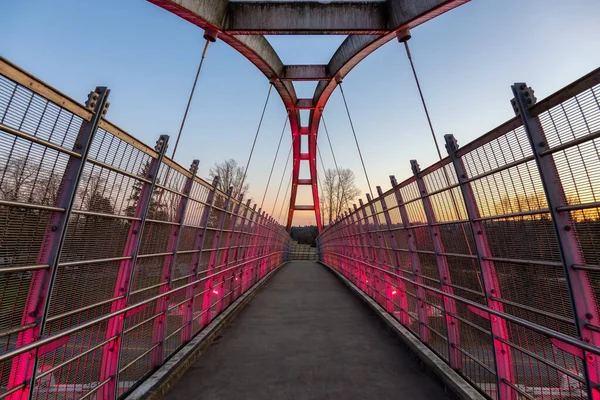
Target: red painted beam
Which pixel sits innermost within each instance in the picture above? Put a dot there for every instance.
(304, 208)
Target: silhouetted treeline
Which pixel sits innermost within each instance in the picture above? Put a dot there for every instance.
(305, 234)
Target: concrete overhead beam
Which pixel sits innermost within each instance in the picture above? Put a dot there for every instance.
(306, 17)
(306, 73)
(203, 13)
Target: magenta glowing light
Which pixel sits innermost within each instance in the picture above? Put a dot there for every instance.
(215, 291)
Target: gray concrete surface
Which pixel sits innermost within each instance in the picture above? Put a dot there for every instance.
(306, 336)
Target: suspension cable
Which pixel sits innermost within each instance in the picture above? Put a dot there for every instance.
(282, 176)
(339, 173)
(321, 158)
(208, 38)
(187, 108)
(320, 184)
(355, 139)
(330, 146)
(437, 147)
(256, 136)
(284, 196)
(274, 160)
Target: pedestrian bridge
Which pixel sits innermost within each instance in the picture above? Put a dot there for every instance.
(125, 275)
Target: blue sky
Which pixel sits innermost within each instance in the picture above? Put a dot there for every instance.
(466, 59)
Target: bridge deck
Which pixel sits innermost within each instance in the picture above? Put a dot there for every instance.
(305, 336)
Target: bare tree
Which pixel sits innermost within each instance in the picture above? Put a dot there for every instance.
(22, 179)
(94, 195)
(230, 174)
(339, 190)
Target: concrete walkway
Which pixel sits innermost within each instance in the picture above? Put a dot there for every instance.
(306, 336)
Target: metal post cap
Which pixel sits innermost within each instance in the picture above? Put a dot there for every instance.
(210, 34)
(403, 35)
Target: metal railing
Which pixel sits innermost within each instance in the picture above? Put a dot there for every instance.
(491, 256)
(112, 256)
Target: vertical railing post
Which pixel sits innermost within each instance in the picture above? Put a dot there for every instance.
(212, 264)
(449, 304)
(583, 299)
(247, 250)
(23, 368)
(269, 247)
(381, 277)
(264, 248)
(254, 248)
(239, 249)
(190, 295)
(371, 254)
(415, 265)
(109, 368)
(225, 259)
(346, 245)
(260, 248)
(363, 243)
(370, 277)
(357, 252)
(162, 304)
(492, 292)
(396, 262)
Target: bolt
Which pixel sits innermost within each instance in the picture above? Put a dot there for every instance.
(503, 351)
(542, 144)
(78, 145)
(567, 228)
(589, 315)
(53, 228)
(135, 231)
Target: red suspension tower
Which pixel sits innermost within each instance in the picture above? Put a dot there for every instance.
(309, 157)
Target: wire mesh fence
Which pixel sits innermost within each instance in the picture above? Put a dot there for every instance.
(112, 256)
(491, 256)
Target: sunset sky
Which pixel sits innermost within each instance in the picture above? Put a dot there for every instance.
(466, 60)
